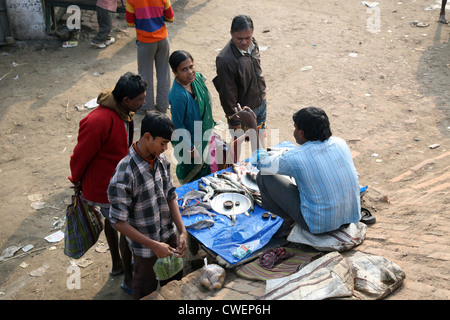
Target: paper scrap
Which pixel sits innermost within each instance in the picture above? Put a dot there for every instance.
(83, 263)
(27, 248)
(91, 104)
(9, 252)
(55, 237)
(39, 272)
(38, 205)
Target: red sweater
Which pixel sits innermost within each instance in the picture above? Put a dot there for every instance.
(102, 143)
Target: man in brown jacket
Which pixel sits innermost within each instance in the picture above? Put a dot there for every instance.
(239, 76)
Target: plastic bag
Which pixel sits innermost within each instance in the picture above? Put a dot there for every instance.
(213, 276)
(167, 267)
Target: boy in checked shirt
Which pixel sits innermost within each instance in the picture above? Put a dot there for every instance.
(144, 204)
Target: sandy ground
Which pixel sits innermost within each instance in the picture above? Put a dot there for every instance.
(386, 92)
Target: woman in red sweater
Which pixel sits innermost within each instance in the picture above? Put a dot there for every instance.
(104, 137)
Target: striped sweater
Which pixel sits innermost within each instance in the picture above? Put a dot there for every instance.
(149, 16)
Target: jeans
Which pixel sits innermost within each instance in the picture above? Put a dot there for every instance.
(104, 19)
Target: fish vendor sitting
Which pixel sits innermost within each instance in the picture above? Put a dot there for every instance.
(325, 194)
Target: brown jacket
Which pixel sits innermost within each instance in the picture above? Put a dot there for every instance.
(239, 79)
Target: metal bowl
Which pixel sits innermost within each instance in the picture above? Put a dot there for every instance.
(217, 203)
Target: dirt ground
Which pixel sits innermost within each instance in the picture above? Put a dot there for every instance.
(386, 93)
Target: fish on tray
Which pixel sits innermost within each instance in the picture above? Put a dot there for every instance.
(205, 204)
(191, 195)
(201, 224)
(208, 189)
(196, 209)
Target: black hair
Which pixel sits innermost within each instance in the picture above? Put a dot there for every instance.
(177, 57)
(241, 22)
(129, 85)
(158, 125)
(314, 123)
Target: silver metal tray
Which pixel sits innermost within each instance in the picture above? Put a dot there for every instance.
(217, 203)
(249, 184)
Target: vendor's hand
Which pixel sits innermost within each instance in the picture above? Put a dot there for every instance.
(248, 117)
(163, 250)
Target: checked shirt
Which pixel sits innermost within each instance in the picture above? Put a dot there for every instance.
(139, 195)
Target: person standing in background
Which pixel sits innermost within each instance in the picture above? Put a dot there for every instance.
(105, 9)
(190, 103)
(239, 75)
(442, 12)
(104, 136)
(149, 17)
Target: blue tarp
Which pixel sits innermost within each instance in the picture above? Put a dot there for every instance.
(223, 238)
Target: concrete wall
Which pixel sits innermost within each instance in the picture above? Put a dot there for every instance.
(26, 18)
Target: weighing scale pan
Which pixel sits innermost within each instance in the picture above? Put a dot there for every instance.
(217, 203)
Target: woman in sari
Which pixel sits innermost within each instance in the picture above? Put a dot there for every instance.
(190, 103)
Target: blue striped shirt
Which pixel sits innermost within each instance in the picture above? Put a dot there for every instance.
(326, 178)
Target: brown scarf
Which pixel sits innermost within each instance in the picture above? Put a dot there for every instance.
(106, 99)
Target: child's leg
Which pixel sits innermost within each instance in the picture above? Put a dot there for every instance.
(144, 278)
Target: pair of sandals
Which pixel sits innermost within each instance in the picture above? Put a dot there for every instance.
(367, 217)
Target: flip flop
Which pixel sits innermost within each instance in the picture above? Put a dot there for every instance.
(112, 274)
(126, 289)
(367, 217)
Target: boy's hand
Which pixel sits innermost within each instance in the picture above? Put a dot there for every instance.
(182, 245)
(163, 250)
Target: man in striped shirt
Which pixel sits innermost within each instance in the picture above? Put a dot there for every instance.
(143, 203)
(149, 17)
(325, 195)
